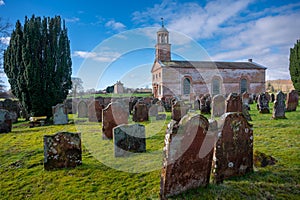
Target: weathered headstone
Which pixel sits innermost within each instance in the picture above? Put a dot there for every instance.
(234, 148)
(153, 110)
(140, 112)
(95, 111)
(292, 101)
(272, 97)
(205, 102)
(245, 99)
(60, 115)
(218, 105)
(129, 139)
(5, 121)
(183, 168)
(82, 109)
(234, 103)
(179, 109)
(279, 106)
(62, 150)
(113, 115)
(197, 104)
(263, 103)
(268, 96)
(246, 112)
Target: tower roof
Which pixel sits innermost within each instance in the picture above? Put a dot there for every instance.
(162, 29)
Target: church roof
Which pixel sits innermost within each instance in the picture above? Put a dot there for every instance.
(212, 64)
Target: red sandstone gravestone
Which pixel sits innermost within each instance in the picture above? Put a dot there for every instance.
(234, 103)
(183, 167)
(292, 100)
(234, 148)
(95, 111)
(113, 115)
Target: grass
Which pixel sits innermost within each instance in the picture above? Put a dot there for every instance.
(101, 176)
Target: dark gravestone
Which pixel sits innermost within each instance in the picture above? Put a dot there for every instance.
(179, 109)
(205, 102)
(234, 148)
(5, 121)
(140, 112)
(69, 106)
(292, 100)
(129, 139)
(218, 105)
(234, 103)
(246, 112)
(82, 109)
(95, 111)
(279, 106)
(263, 103)
(62, 150)
(113, 115)
(272, 97)
(197, 104)
(183, 167)
(60, 115)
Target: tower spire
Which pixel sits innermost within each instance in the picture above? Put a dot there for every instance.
(162, 22)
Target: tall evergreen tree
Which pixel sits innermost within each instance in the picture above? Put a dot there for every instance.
(295, 65)
(38, 64)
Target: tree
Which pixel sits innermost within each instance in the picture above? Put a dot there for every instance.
(295, 65)
(109, 89)
(76, 86)
(4, 29)
(38, 64)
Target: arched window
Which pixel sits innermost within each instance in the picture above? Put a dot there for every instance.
(186, 86)
(215, 86)
(243, 85)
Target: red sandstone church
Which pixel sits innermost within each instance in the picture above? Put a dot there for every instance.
(186, 79)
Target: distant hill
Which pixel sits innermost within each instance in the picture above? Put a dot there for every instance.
(275, 85)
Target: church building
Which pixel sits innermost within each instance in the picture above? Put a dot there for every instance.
(187, 79)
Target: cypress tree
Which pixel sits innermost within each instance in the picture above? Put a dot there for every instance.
(38, 64)
(295, 65)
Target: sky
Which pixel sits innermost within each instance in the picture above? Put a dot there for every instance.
(115, 40)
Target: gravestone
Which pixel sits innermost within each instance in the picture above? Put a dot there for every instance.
(5, 121)
(60, 115)
(268, 96)
(292, 100)
(205, 102)
(113, 115)
(234, 148)
(129, 139)
(82, 109)
(179, 109)
(246, 112)
(183, 168)
(245, 99)
(153, 110)
(263, 103)
(197, 104)
(234, 103)
(140, 112)
(62, 150)
(279, 106)
(95, 111)
(13, 116)
(218, 105)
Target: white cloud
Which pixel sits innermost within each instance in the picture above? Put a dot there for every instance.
(5, 40)
(73, 19)
(2, 3)
(116, 26)
(105, 56)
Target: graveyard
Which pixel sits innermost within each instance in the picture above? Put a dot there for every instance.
(99, 175)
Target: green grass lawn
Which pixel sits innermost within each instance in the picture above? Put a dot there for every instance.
(101, 176)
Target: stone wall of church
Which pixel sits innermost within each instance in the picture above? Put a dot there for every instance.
(201, 80)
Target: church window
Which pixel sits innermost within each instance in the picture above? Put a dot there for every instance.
(243, 85)
(215, 87)
(186, 86)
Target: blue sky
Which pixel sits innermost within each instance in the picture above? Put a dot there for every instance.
(114, 40)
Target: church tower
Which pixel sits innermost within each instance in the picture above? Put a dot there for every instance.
(163, 48)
